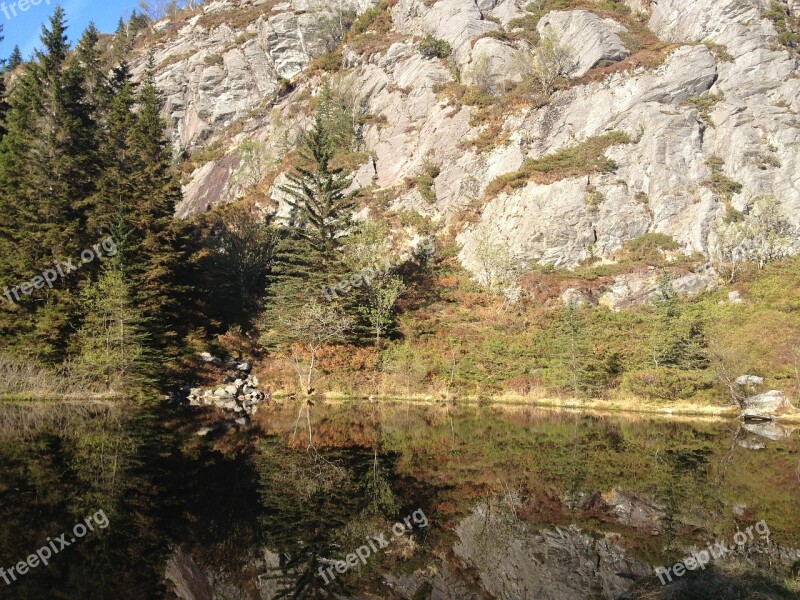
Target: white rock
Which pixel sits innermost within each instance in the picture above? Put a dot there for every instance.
(749, 380)
(589, 38)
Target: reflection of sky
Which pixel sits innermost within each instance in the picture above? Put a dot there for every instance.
(24, 28)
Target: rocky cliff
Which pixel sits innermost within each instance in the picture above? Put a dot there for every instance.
(697, 103)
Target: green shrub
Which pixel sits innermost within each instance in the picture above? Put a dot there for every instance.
(649, 248)
(664, 383)
(431, 47)
(584, 159)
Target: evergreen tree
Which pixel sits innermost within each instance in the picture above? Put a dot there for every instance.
(111, 342)
(138, 22)
(161, 291)
(678, 339)
(15, 59)
(322, 209)
(337, 117)
(296, 280)
(115, 189)
(90, 61)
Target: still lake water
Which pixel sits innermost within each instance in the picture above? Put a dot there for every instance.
(511, 503)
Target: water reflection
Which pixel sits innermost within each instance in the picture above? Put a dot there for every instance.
(521, 503)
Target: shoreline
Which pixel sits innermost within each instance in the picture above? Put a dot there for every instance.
(620, 407)
(633, 407)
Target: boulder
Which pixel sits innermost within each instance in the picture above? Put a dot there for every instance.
(764, 406)
(749, 380)
(244, 367)
(209, 358)
(751, 444)
(590, 38)
(494, 64)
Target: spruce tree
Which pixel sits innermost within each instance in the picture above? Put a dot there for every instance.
(678, 340)
(15, 59)
(111, 342)
(161, 290)
(91, 62)
(321, 208)
(48, 165)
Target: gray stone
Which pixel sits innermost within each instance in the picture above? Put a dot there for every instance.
(749, 380)
(768, 403)
(589, 38)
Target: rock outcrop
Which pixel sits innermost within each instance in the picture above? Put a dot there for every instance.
(725, 90)
(589, 38)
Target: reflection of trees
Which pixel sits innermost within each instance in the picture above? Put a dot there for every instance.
(61, 463)
(681, 480)
(310, 501)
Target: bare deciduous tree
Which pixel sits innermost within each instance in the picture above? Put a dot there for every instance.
(317, 325)
(761, 236)
(551, 60)
(254, 162)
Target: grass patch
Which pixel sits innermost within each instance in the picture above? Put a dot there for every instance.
(719, 183)
(236, 18)
(705, 105)
(787, 26)
(584, 159)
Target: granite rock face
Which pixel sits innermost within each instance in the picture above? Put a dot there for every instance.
(224, 79)
(590, 38)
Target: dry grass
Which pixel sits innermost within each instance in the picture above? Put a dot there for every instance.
(22, 379)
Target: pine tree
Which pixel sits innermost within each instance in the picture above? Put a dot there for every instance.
(111, 342)
(161, 292)
(322, 209)
(15, 59)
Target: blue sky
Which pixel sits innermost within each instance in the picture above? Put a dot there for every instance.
(25, 27)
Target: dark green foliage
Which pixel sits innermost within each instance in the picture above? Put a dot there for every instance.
(15, 59)
(679, 339)
(787, 26)
(321, 208)
(586, 368)
(239, 261)
(431, 47)
(3, 104)
(85, 157)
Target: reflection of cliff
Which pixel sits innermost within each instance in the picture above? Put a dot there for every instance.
(557, 564)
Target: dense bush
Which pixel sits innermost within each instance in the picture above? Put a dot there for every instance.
(665, 383)
(431, 47)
